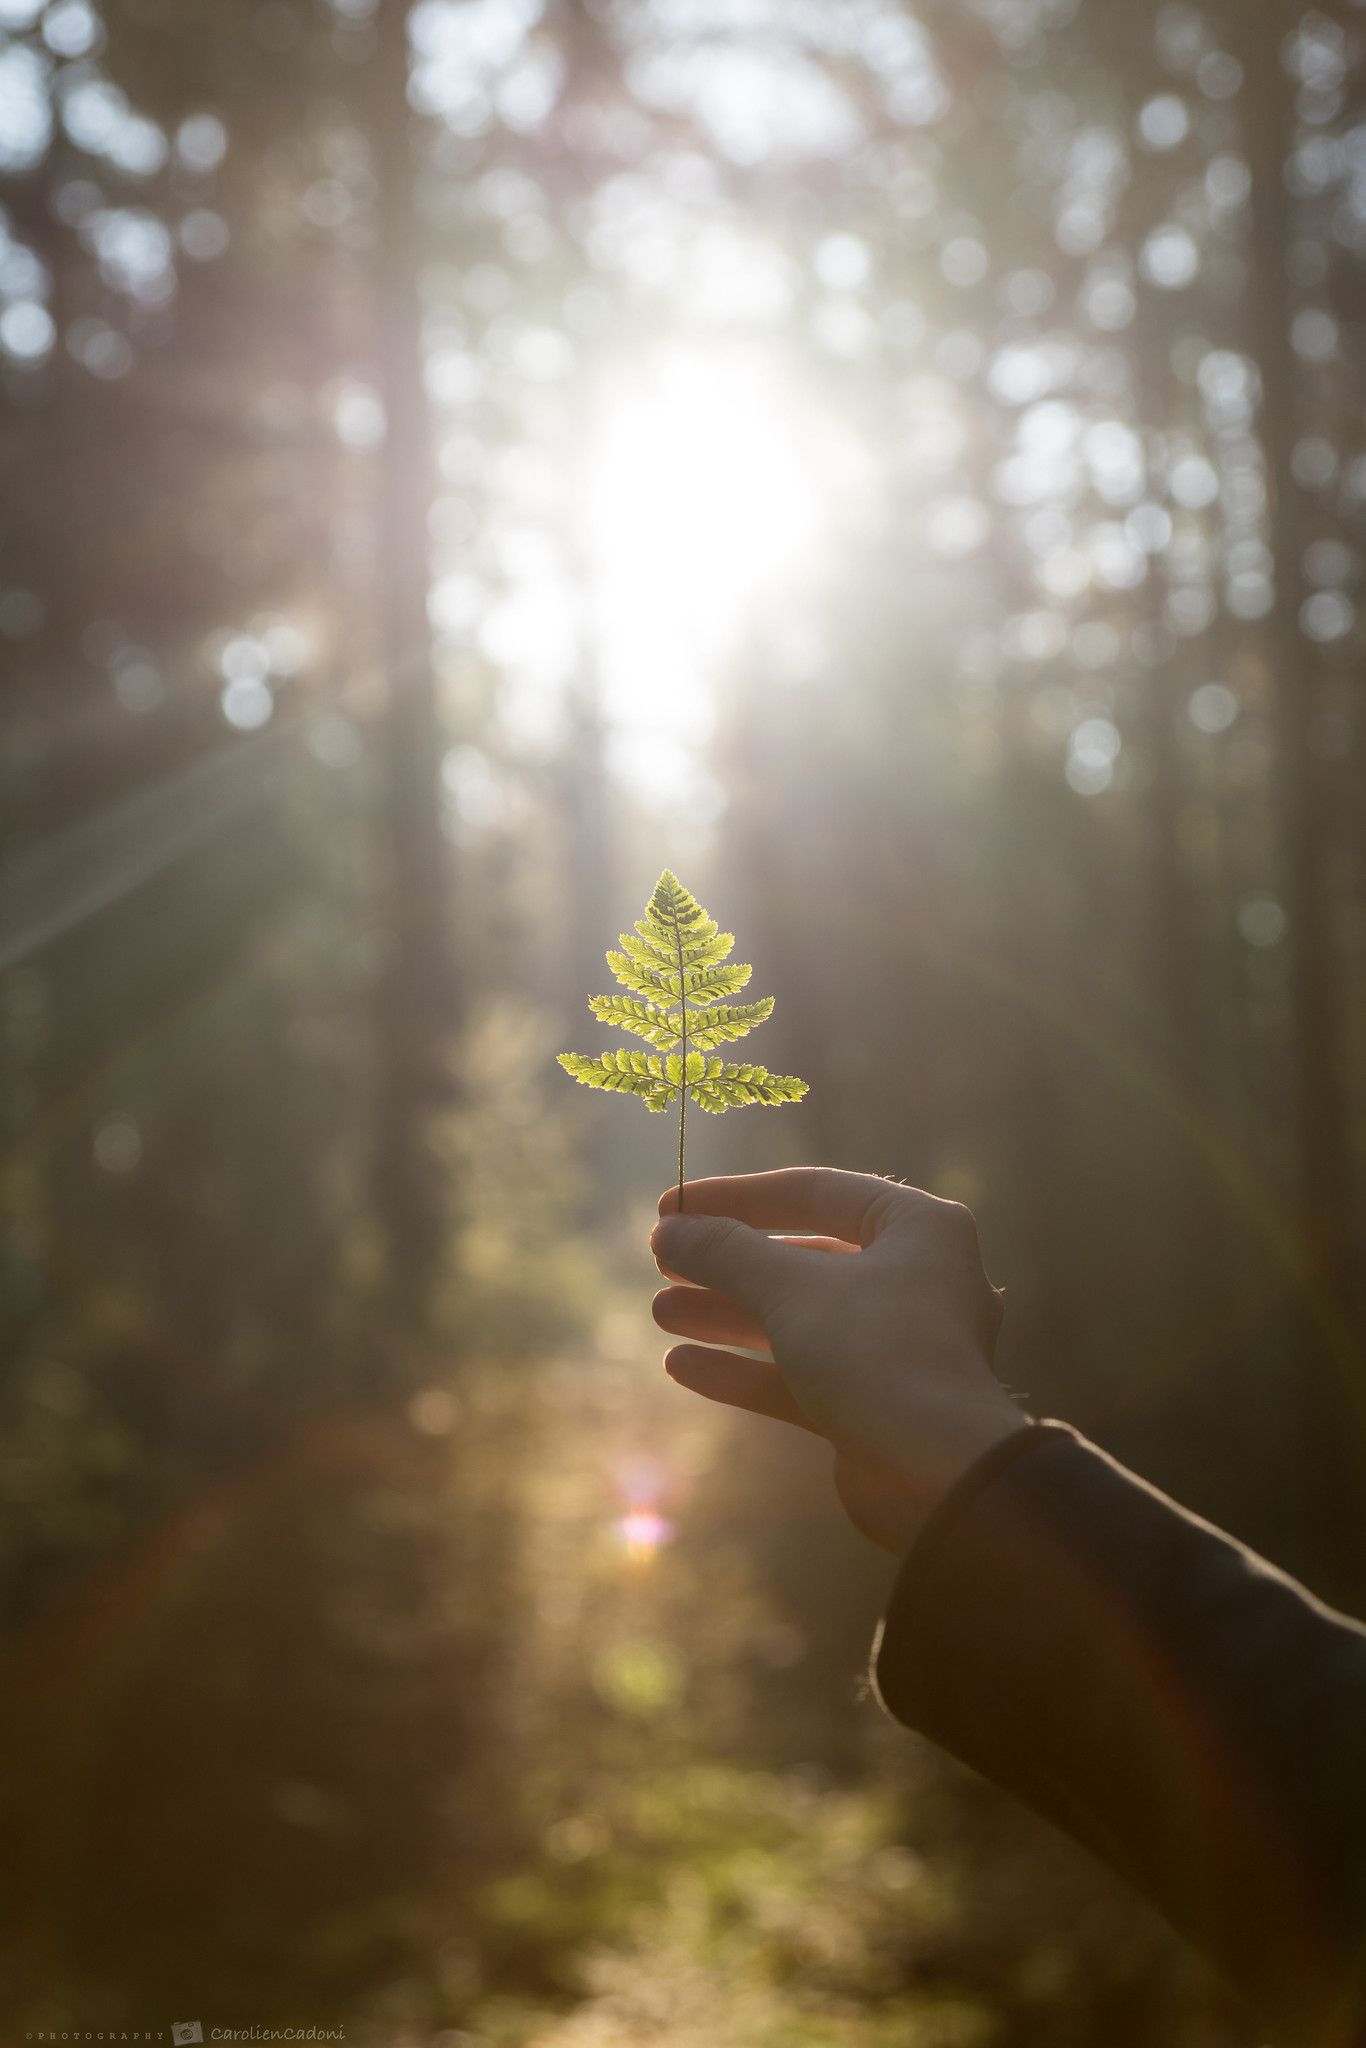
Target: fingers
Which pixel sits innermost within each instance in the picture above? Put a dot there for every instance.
(805, 1244)
(740, 1382)
(716, 1251)
(709, 1317)
(817, 1199)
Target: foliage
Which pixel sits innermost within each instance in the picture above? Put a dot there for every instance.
(753, 1909)
(678, 955)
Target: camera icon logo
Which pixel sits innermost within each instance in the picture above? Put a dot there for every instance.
(183, 2032)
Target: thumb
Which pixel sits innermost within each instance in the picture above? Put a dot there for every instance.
(716, 1251)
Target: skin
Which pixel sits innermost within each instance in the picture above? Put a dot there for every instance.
(872, 1316)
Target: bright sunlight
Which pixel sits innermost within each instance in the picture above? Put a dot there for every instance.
(709, 482)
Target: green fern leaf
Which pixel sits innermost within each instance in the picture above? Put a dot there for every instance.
(709, 984)
(674, 966)
(718, 1026)
(645, 954)
(734, 1087)
(623, 1073)
(653, 983)
(661, 1027)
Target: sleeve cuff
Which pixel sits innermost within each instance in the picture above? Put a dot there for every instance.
(935, 1531)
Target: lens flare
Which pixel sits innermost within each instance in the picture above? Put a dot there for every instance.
(644, 1532)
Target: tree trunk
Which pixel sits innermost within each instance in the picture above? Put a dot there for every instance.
(417, 992)
(1322, 1181)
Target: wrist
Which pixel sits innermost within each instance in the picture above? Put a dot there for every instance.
(964, 1440)
(932, 1453)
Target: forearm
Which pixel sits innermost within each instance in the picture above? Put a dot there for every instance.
(1187, 1712)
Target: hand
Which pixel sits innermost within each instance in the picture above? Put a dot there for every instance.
(875, 1322)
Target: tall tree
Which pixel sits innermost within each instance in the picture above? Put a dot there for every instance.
(417, 988)
(1322, 1183)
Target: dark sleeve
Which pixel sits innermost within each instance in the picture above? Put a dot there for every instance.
(1191, 1714)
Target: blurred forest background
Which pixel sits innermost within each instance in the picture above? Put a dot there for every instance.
(900, 465)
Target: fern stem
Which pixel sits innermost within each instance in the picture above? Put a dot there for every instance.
(683, 1077)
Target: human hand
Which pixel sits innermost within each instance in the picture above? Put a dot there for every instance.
(874, 1318)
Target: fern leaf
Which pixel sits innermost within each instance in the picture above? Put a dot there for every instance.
(676, 969)
(676, 923)
(645, 953)
(623, 1073)
(660, 1027)
(674, 907)
(709, 984)
(708, 951)
(664, 940)
(718, 1026)
(655, 936)
(735, 1087)
(654, 983)
(696, 1068)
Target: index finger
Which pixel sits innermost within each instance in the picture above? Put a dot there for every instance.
(816, 1200)
(802, 1244)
